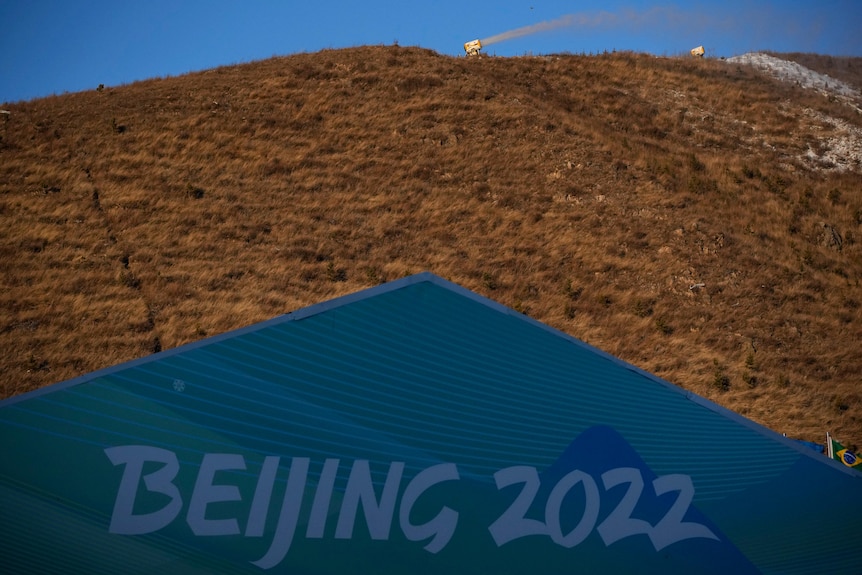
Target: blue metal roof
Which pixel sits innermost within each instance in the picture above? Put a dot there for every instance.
(414, 375)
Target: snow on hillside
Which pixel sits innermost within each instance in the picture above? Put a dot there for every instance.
(793, 72)
(840, 147)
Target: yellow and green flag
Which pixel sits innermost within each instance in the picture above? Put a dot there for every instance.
(844, 455)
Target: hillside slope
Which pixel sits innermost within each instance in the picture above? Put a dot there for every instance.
(696, 218)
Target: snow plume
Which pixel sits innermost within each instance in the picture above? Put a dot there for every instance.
(747, 28)
(625, 18)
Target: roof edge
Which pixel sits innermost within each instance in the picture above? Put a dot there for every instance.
(296, 315)
(401, 283)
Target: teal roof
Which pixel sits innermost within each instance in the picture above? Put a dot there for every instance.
(182, 461)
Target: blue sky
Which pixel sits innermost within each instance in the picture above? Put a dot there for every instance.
(58, 46)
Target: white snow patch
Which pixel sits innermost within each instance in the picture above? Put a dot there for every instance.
(841, 150)
(793, 72)
(839, 143)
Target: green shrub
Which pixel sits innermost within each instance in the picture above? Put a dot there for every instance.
(720, 379)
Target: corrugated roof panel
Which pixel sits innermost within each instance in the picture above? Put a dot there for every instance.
(415, 378)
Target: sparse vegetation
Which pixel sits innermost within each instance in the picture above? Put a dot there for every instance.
(663, 326)
(591, 192)
(643, 307)
(720, 379)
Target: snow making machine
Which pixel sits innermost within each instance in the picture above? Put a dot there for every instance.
(472, 47)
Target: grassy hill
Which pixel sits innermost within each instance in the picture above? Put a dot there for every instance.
(693, 217)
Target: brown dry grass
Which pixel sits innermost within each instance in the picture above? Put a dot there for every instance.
(590, 192)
